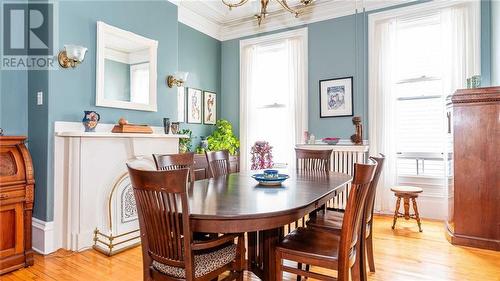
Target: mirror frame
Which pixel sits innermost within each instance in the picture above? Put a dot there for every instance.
(102, 30)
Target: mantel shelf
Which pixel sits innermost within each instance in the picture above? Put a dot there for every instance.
(115, 135)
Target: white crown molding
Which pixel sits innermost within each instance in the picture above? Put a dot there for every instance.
(204, 18)
(198, 22)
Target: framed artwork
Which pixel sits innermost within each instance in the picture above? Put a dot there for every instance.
(209, 107)
(335, 97)
(194, 102)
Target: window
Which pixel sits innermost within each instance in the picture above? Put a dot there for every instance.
(419, 100)
(417, 57)
(273, 103)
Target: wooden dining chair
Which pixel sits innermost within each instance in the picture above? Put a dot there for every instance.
(168, 250)
(218, 163)
(167, 162)
(313, 160)
(325, 248)
(333, 219)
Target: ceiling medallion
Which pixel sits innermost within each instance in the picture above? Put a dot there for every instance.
(263, 7)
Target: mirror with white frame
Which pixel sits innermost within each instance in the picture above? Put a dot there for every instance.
(125, 69)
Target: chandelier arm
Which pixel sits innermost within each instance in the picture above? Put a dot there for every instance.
(230, 5)
(285, 6)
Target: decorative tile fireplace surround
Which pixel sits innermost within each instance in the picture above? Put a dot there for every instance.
(92, 192)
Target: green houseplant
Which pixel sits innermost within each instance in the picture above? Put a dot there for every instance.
(185, 143)
(223, 138)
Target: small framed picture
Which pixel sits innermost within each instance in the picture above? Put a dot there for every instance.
(194, 102)
(209, 107)
(336, 98)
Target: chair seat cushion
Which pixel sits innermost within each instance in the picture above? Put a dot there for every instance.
(328, 220)
(312, 243)
(203, 263)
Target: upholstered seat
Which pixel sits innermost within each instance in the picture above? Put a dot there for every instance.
(204, 263)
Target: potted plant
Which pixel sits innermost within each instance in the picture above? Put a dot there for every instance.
(185, 143)
(223, 138)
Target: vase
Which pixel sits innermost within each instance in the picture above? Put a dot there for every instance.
(166, 125)
(175, 126)
(90, 120)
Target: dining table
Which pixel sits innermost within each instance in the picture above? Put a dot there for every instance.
(237, 203)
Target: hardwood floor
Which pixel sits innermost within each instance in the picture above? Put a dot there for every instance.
(402, 254)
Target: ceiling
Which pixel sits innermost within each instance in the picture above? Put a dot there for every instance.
(216, 11)
(217, 20)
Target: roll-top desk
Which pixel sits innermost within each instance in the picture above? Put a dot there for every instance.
(16, 204)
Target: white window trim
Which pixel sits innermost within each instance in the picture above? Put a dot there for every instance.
(301, 33)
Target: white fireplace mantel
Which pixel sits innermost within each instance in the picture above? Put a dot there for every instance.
(116, 135)
(86, 167)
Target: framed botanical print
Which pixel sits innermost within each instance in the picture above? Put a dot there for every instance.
(336, 97)
(194, 106)
(209, 107)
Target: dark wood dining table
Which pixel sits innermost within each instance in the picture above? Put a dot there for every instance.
(237, 203)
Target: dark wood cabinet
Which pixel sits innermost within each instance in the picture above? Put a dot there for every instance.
(474, 195)
(201, 166)
(16, 204)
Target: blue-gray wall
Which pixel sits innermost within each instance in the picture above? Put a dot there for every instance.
(200, 55)
(68, 92)
(332, 54)
(337, 48)
(14, 102)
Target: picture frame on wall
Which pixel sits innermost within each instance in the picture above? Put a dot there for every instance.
(209, 107)
(194, 106)
(336, 97)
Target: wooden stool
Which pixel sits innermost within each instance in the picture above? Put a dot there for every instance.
(407, 193)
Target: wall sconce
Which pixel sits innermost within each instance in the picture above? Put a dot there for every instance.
(177, 79)
(71, 56)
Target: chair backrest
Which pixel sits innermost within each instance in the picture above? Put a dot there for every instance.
(313, 160)
(370, 198)
(163, 211)
(353, 216)
(167, 162)
(218, 163)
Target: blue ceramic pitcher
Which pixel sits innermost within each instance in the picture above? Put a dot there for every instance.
(90, 120)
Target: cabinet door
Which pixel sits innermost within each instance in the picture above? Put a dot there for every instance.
(11, 229)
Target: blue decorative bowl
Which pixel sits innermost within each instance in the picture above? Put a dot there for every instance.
(265, 179)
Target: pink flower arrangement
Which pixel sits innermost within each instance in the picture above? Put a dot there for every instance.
(262, 155)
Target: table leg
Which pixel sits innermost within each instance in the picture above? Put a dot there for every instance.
(252, 249)
(271, 238)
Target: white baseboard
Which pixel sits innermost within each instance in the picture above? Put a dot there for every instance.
(42, 236)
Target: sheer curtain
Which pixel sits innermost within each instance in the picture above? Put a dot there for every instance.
(297, 50)
(273, 94)
(460, 25)
(461, 30)
(381, 109)
(247, 62)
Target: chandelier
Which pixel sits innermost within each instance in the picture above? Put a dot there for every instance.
(263, 7)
